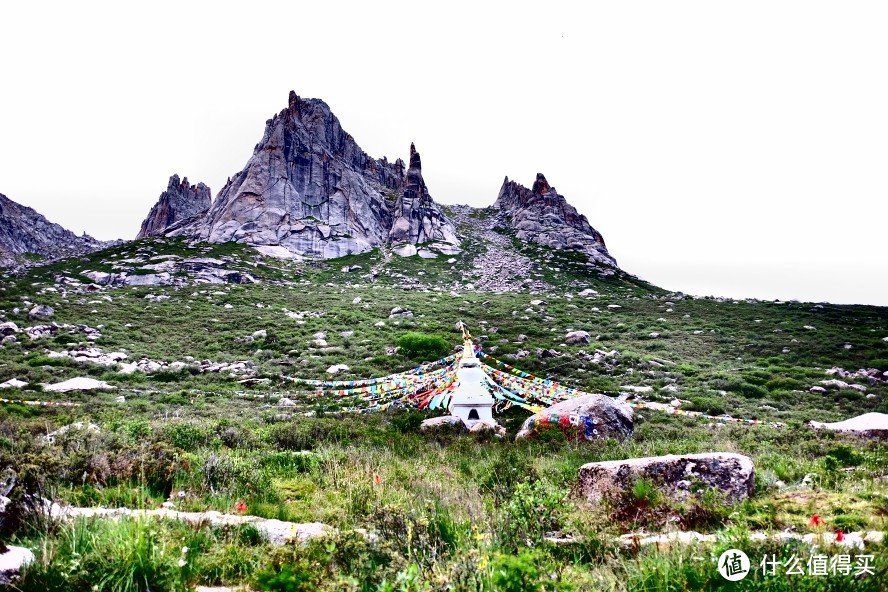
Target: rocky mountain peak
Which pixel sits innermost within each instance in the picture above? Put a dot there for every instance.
(543, 216)
(540, 185)
(179, 204)
(417, 218)
(309, 188)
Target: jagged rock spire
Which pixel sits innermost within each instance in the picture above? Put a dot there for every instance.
(309, 188)
(540, 186)
(542, 216)
(179, 204)
(417, 219)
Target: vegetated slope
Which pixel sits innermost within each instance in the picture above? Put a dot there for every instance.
(201, 415)
(749, 358)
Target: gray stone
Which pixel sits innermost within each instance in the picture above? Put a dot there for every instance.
(78, 384)
(12, 562)
(337, 368)
(149, 279)
(576, 337)
(41, 312)
(871, 425)
(678, 476)
(589, 417)
(9, 328)
(488, 425)
(444, 422)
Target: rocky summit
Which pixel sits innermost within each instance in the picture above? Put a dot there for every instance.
(23, 232)
(417, 219)
(310, 189)
(178, 205)
(541, 215)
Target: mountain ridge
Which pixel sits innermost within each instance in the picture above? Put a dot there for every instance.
(24, 231)
(309, 188)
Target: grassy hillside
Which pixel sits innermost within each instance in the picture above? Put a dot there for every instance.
(436, 512)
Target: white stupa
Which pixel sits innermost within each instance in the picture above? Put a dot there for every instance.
(471, 401)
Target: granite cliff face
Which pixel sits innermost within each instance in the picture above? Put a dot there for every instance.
(23, 231)
(417, 219)
(540, 215)
(176, 206)
(311, 189)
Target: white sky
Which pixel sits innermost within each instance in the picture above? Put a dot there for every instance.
(721, 148)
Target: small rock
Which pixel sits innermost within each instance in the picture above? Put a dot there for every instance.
(337, 368)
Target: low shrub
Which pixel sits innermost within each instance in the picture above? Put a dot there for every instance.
(418, 346)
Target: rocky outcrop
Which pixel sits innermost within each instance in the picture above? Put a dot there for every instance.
(417, 219)
(24, 232)
(540, 215)
(679, 477)
(588, 417)
(178, 205)
(310, 189)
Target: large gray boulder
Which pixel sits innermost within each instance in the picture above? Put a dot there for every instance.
(577, 337)
(9, 328)
(42, 312)
(149, 279)
(870, 425)
(678, 476)
(589, 417)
